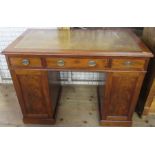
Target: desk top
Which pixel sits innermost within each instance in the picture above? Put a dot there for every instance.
(78, 42)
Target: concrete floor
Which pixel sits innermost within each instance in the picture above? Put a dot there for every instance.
(78, 107)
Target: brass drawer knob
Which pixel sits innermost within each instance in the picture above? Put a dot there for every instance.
(60, 63)
(128, 63)
(25, 62)
(92, 63)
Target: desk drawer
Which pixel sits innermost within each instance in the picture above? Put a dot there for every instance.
(25, 62)
(128, 64)
(76, 63)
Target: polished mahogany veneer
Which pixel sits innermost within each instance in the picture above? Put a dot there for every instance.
(38, 55)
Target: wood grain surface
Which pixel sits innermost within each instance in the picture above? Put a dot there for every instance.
(118, 53)
(79, 42)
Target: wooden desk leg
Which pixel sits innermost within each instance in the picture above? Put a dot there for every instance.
(119, 98)
(35, 96)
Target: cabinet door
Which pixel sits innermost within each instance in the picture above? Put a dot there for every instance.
(33, 93)
(121, 93)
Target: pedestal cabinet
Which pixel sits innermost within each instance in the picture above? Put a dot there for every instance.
(34, 94)
(120, 98)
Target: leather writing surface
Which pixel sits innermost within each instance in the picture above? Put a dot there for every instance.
(78, 39)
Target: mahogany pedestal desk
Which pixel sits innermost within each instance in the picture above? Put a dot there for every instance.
(36, 58)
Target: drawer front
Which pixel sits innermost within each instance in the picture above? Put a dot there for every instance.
(128, 64)
(76, 63)
(25, 62)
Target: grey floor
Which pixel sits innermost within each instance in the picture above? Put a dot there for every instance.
(78, 107)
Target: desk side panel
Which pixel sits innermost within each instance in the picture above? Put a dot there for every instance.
(33, 93)
(120, 98)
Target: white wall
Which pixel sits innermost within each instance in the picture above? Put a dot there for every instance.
(7, 35)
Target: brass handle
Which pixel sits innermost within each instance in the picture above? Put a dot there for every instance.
(25, 62)
(128, 63)
(60, 63)
(92, 63)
